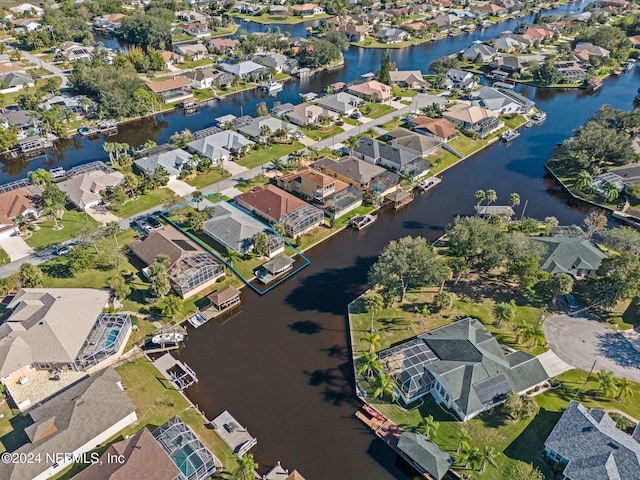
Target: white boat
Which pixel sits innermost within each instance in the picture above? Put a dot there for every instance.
(362, 221)
(167, 337)
(539, 118)
(509, 135)
(272, 87)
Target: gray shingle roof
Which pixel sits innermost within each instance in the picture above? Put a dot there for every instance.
(252, 130)
(425, 453)
(397, 155)
(358, 170)
(70, 420)
(242, 68)
(594, 447)
(46, 325)
(85, 189)
(340, 102)
(173, 161)
(564, 254)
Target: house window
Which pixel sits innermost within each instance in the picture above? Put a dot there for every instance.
(44, 366)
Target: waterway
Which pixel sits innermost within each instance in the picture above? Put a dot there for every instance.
(281, 366)
(78, 150)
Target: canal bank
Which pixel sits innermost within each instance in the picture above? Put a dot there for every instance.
(283, 363)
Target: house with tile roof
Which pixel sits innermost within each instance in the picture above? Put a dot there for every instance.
(190, 268)
(474, 118)
(70, 424)
(174, 89)
(371, 89)
(196, 51)
(360, 174)
(576, 256)
(462, 366)
(306, 113)
(309, 9)
(407, 78)
(584, 50)
(439, 128)
(587, 445)
(23, 201)
(277, 206)
(486, 9)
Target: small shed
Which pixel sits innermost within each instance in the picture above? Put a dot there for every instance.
(399, 199)
(224, 298)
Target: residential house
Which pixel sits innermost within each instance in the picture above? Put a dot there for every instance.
(227, 140)
(538, 33)
(608, 3)
(446, 22)
(25, 9)
(86, 190)
(355, 33)
(110, 21)
(407, 78)
(76, 421)
(487, 9)
(282, 109)
(171, 58)
(360, 174)
(246, 69)
(306, 113)
(423, 144)
(512, 6)
(571, 71)
(190, 268)
(223, 45)
(459, 79)
(584, 50)
(635, 41)
(576, 256)
(309, 9)
(277, 61)
(24, 200)
(392, 35)
(485, 52)
(173, 161)
(196, 29)
(190, 16)
(397, 158)
(495, 100)
(629, 174)
(26, 123)
(208, 77)
(474, 119)
(73, 104)
(234, 229)
(587, 444)
(15, 81)
(462, 366)
(140, 453)
(424, 455)
(207, 147)
(195, 51)
(341, 102)
(510, 42)
(511, 64)
(73, 51)
(371, 89)
(279, 10)
(439, 128)
(277, 206)
(253, 129)
(45, 329)
(176, 89)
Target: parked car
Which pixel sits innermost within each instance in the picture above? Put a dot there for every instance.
(397, 99)
(64, 249)
(571, 301)
(340, 123)
(299, 135)
(154, 222)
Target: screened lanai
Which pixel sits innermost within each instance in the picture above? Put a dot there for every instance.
(193, 270)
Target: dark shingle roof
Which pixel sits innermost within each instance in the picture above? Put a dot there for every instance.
(425, 453)
(563, 254)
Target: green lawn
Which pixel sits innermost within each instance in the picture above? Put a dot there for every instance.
(350, 121)
(156, 402)
(288, 19)
(466, 145)
(441, 160)
(252, 182)
(74, 223)
(204, 94)
(569, 177)
(319, 134)
(281, 76)
(396, 91)
(377, 110)
(214, 175)
(4, 257)
(195, 63)
(512, 123)
(144, 202)
(264, 155)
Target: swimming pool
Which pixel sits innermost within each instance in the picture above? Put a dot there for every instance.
(111, 338)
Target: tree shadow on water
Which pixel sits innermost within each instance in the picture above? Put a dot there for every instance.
(307, 327)
(337, 389)
(330, 291)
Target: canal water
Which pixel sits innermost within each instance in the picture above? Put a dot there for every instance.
(281, 366)
(78, 150)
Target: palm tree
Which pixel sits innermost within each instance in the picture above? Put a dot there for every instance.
(372, 303)
(370, 365)
(374, 341)
(313, 153)
(491, 197)
(611, 191)
(246, 468)
(428, 426)
(110, 148)
(265, 134)
(463, 440)
(487, 457)
(352, 143)
(231, 256)
(294, 158)
(395, 119)
(523, 332)
(384, 386)
(514, 199)
(606, 384)
(480, 196)
(625, 389)
(503, 312)
(278, 164)
(196, 195)
(584, 180)
(370, 132)
(470, 456)
(51, 208)
(113, 228)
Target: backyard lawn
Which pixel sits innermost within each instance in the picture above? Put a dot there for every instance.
(377, 110)
(264, 155)
(252, 182)
(74, 222)
(466, 145)
(321, 133)
(214, 175)
(144, 202)
(442, 160)
(512, 123)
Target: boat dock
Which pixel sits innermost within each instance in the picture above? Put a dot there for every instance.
(428, 184)
(274, 269)
(372, 422)
(233, 433)
(220, 302)
(399, 199)
(178, 373)
(361, 222)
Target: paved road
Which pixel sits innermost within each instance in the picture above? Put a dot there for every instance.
(579, 341)
(47, 66)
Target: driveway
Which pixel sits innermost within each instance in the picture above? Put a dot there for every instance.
(16, 247)
(233, 168)
(579, 341)
(180, 188)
